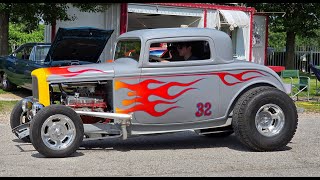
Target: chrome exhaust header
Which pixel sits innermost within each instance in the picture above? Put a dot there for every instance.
(123, 119)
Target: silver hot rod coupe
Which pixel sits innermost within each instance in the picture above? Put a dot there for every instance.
(195, 85)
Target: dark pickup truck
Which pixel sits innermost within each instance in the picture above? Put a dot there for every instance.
(81, 45)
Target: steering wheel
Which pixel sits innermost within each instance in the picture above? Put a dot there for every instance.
(153, 58)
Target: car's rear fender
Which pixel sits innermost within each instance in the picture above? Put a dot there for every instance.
(244, 90)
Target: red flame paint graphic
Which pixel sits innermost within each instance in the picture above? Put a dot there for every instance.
(64, 71)
(142, 93)
(222, 76)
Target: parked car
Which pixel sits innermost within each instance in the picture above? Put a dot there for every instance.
(23, 60)
(82, 45)
(214, 95)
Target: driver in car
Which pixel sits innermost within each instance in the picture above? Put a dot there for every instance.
(184, 50)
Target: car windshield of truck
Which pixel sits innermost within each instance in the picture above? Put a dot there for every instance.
(128, 49)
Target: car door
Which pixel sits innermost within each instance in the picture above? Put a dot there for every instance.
(11, 65)
(23, 76)
(178, 91)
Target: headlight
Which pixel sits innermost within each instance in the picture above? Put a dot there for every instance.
(36, 107)
(26, 105)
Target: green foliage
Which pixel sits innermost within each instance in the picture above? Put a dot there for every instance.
(18, 37)
(7, 106)
(309, 106)
(300, 18)
(92, 7)
(306, 41)
(277, 40)
(2, 91)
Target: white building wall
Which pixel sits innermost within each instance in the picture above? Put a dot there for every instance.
(47, 33)
(110, 19)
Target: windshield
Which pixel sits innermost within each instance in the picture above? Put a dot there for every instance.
(41, 53)
(128, 49)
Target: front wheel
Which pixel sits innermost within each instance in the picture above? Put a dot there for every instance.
(56, 131)
(265, 119)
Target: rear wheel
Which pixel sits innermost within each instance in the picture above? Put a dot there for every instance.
(265, 119)
(5, 83)
(17, 118)
(56, 131)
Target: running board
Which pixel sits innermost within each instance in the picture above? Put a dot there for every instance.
(214, 130)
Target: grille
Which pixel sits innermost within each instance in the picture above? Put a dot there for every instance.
(35, 91)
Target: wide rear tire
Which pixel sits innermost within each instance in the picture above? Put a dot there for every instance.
(56, 131)
(265, 119)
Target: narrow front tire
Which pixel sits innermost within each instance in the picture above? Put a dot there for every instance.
(56, 131)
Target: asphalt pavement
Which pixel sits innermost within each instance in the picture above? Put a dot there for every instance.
(179, 154)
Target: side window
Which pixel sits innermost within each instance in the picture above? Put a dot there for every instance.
(24, 53)
(179, 51)
(128, 49)
(20, 54)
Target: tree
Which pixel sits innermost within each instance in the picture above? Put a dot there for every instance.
(277, 40)
(307, 41)
(300, 19)
(31, 14)
(18, 37)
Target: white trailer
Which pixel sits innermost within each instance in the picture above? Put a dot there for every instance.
(247, 31)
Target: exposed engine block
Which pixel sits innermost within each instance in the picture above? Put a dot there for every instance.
(85, 103)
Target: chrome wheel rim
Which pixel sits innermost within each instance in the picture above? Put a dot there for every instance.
(269, 120)
(4, 81)
(58, 132)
